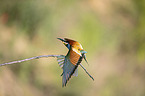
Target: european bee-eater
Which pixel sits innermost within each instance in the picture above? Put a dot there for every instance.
(72, 60)
(68, 63)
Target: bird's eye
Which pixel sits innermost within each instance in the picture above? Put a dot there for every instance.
(65, 43)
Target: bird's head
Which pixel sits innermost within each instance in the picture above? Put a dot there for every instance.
(74, 45)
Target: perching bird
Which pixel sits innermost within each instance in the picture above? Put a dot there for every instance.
(68, 63)
(72, 60)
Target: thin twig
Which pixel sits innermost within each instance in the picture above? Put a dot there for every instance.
(86, 72)
(36, 57)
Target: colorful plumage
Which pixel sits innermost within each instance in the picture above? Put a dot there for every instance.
(68, 63)
(72, 60)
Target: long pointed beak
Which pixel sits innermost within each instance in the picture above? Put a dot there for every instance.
(61, 39)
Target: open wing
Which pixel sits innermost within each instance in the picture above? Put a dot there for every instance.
(68, 70)
(60, 60)
(67, 67)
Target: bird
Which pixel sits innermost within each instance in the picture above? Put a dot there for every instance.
(68, 63)
(72, 60)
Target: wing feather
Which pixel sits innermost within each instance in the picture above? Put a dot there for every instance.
(68, 70)
(60, 60)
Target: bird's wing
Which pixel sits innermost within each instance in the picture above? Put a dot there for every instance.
(68, 70)
(61, 60)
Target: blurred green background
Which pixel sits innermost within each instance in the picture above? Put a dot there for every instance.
(111, 31)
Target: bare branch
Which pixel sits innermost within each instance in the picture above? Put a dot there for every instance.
(86, 72)
(36, 57)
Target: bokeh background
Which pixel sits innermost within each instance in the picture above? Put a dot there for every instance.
(111, 31)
